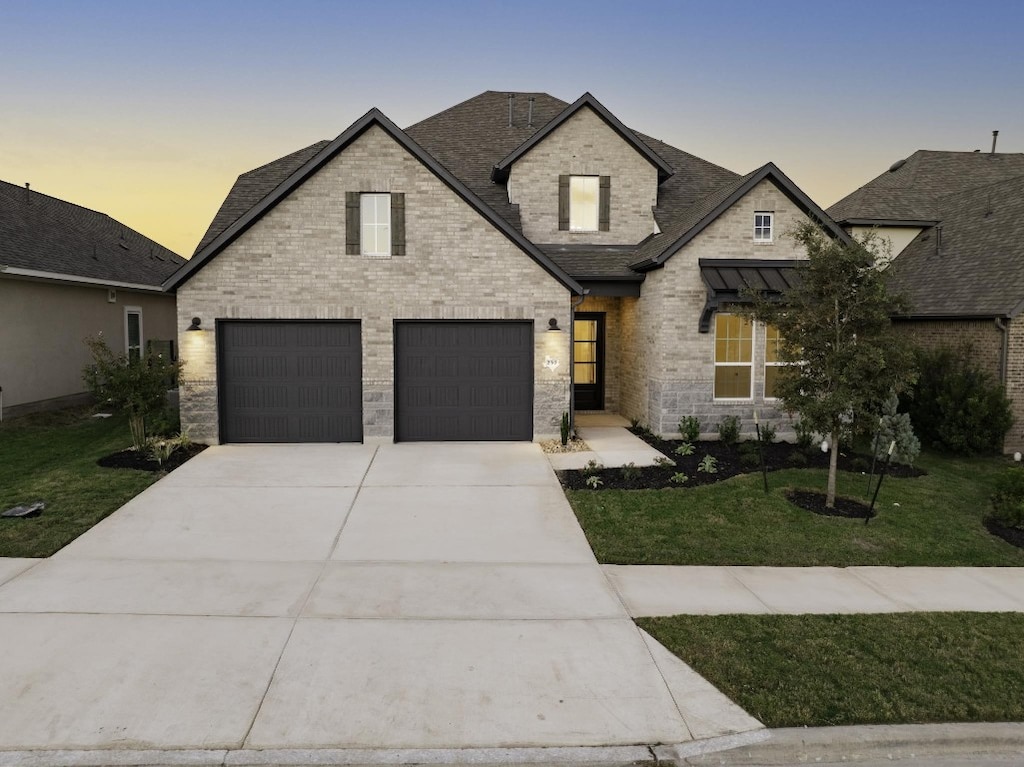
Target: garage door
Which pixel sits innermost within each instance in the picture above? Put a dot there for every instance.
(290, 381)
(463, 381)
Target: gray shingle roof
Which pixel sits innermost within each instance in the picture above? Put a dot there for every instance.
(597, 262)
(911, 191)
(42, 233)
(978, 267)
(470, 138)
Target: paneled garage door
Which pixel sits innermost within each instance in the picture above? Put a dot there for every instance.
(463, 381)
(290, 381)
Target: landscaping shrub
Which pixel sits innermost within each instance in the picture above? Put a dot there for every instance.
(1008, 499)
(896, 427)
(768, 432)
(749, 455)
(729, 429)
(689, 427)
(804, 434)
(956, 405)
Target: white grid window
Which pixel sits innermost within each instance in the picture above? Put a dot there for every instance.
(763, 225)
(734, 346)
(375, 224)
(584, 194)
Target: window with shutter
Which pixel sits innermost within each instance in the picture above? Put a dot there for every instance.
(584, 204)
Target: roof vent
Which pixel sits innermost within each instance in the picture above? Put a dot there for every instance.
(995, 135)
(28, 194)
(897, 165)
(529, 118)
(511, 106)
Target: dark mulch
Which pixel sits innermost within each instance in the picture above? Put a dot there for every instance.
(1012, 535)
(815, 502)
(133, 459)
(730, 460)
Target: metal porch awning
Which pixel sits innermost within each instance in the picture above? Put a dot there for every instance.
(729, 280)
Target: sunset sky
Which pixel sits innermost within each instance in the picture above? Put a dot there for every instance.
(148, 111)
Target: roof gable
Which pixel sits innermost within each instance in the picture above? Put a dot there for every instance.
(501, 170)
(660, 248)
(320, 158)
(44, 235)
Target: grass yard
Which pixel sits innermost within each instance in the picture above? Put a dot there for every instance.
(820, 670)
(52, 457)
(938, 521)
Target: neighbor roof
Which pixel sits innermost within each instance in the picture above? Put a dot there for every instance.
(43, 234)
(972, 263)
(909, 191)
(474, 137)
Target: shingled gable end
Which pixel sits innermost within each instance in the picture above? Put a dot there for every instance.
(510, 259)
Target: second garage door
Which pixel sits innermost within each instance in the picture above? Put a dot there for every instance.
(290, 381)
(463, 381)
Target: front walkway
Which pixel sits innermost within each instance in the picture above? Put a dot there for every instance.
(423, 596)
(652, 590)
(611, 445)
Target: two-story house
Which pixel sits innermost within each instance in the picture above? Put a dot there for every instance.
(479, 274)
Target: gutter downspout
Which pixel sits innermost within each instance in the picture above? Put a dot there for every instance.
(1005, 350)
(572, 349)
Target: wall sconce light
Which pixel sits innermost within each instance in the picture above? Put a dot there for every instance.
(553, 326)
(196, 322)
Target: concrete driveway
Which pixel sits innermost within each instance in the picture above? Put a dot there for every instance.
(411, 596)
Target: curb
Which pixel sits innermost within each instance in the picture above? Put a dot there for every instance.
(901, 742)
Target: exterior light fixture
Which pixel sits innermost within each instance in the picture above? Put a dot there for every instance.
(196, 322)
(553, 326)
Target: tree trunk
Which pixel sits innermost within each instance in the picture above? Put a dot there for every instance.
(137, 424)
(833, 466)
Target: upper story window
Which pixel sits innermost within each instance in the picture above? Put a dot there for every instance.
(584, 203)
(764, 222)
(734, 347)
(375, 224)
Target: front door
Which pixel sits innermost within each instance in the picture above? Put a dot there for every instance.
(588, 361)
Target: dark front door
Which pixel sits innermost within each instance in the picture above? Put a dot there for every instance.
(290, 381)
(588, 361)
(463, 381)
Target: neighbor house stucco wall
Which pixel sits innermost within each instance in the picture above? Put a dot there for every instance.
(42, 328)
(679, 359)
(890, 240)
(584, 145)
(292, 264)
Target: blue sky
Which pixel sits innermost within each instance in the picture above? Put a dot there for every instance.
(149, 110)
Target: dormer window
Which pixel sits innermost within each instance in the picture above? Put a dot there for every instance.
(584, 203)
(763, 224)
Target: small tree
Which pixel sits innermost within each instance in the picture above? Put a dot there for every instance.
(895, 426)
(845, 359)
(136, 386)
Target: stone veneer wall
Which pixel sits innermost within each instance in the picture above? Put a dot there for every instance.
(292, 264)
(584, 145)
(679, 358)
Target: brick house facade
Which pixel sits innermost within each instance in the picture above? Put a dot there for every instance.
(475, 321)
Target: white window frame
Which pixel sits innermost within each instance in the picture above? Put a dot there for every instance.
(142, 337)
(376, 223)
(762, 230)
(766, 364)
(597, 204)
(714, 358)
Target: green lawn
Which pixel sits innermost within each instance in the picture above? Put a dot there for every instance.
(938, 521)
(819, 670)
(52, 457)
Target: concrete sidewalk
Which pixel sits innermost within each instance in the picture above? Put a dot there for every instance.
(652, 590)
(611, 445)
(315, 602)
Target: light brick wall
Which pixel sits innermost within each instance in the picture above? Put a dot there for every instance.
(679, 358)
(292, 264)
(584, 145)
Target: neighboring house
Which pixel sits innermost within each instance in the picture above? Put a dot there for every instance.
(477, 275)
(956, 224)
(67, 272)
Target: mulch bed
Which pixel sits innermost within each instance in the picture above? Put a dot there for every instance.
(844, 507)
(1012, 535)
(133, 459)
(730, 460)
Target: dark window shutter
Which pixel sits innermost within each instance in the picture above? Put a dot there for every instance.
(352, 246)
(604, 211)
(563, 203)
(398, 223)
